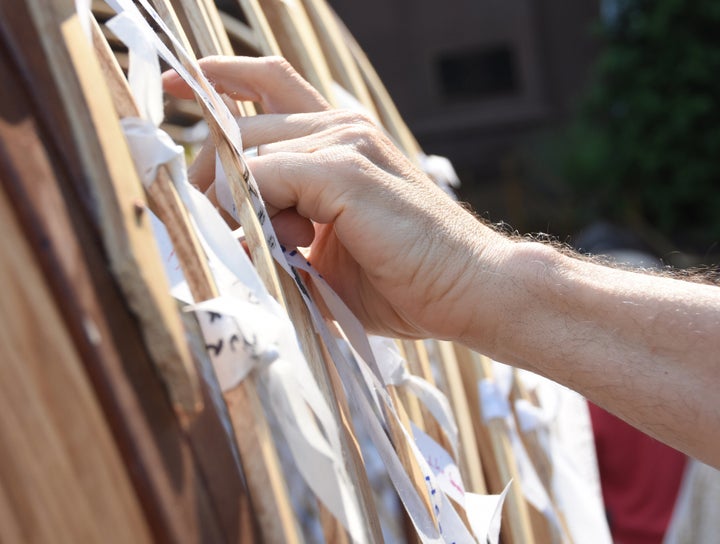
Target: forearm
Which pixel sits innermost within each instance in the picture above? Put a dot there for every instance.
(644, 347)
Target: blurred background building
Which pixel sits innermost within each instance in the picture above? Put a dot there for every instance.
(475, 79)
(558, 114)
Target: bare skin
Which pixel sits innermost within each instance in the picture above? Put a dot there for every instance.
(410, 262)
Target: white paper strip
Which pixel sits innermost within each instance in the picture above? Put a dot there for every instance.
(442, 465)
(485, 514)
(144, 67)
(253, 339)
(494, 405)
(150, 147)
(394, 371)
(247, 330)
(449, 526)
(83, 9)
(440, 169)
(530, 417)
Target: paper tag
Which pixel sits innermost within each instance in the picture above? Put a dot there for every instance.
(442, 465)
(394, 371)
(485, 515)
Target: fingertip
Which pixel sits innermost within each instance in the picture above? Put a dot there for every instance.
(175, 85)
(201, 172)
(169, 77)
(292, 229)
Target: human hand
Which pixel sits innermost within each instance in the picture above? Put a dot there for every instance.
(400, 253)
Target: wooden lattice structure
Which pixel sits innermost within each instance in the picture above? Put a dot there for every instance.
(113, 425)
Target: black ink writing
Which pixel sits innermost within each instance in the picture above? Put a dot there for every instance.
(216, 348)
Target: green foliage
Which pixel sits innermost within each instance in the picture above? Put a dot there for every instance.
(646, 145)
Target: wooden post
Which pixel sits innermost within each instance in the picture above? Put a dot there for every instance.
(469, 461)
(128, 238)
(61, 475)
(343, 67)
(299, 45)
(495, 450)
(542, 462)
(267, 43)
(47, 184)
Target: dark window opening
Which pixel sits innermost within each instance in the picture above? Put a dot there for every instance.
(478, 74)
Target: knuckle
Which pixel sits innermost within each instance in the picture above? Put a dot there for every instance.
(280, 65)
(349, 117)
(357, 130)
(209, 59)
(353, 161)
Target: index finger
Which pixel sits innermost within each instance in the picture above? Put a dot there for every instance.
(269, 81)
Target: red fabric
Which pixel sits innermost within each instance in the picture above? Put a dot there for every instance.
(640, 479)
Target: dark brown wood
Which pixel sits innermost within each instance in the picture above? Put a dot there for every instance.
(115, 189)
(61, 476)
(185, 496)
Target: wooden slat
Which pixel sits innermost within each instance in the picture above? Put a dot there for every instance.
(167, 205)
(540, 459)
(102, 9)
(235, 170)
(343, 67)
(127, 234)
(255, 16)
(419, 364)
(298, 43)
(176, 496)
(61, 476)
(242, 33)
(323, 369)
(163, 197)
(496, 453)
(288, 294)
(469, 462)
(404, 452)
(201, 23)
(263, 475)
(410, 401)
(284, 289)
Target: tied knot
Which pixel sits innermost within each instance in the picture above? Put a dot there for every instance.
(265, 355)
(493, 403)
(530, 417)
(150, 148)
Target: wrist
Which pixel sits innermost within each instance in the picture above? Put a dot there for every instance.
(513, 281)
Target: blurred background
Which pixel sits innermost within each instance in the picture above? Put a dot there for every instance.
(567, 118)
